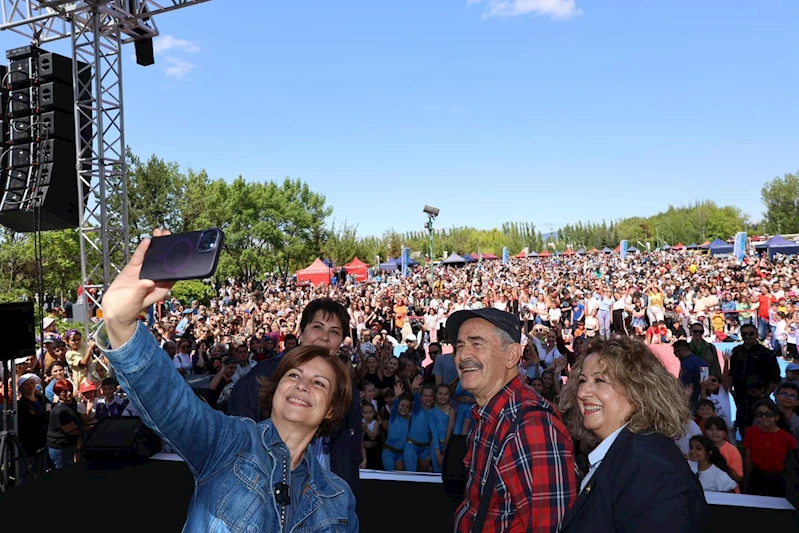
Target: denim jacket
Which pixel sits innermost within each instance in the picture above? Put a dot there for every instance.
(234, 467)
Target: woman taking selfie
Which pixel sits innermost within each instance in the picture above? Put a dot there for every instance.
(249, 477)
(621, 403)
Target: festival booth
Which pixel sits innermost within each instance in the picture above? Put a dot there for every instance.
(581, 251)
(679, 246)
(454, 259)
(593, 251)
(632, 250)
(358, 270)
(317, 273)
(719, 247)
(607, 250)
(533, 254)
(666, 247)
(520, 255)
(468, 258)
(568, 252)
(391, 264)
(487, 256)
(692, 246)
(778, 245)
(545, 253)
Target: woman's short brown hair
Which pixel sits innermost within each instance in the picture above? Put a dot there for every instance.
(342, 386)
(658, 399)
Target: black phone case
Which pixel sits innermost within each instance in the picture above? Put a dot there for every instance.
(175, 257)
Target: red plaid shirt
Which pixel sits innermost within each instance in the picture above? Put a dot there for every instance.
(536, 481)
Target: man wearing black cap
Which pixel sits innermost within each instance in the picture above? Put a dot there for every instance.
(518, 441)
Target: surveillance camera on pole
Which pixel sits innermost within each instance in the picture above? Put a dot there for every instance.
(431, 211)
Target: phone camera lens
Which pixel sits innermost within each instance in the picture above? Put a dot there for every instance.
(208, 240)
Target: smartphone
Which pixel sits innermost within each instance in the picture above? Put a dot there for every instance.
(704, 374)
(193, 255)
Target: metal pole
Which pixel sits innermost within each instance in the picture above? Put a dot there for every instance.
(432, 272)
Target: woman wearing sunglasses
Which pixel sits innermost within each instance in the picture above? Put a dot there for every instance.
(766, 444)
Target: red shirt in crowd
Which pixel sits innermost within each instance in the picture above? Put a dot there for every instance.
(535, 467)
(769, 449)
(765, 304)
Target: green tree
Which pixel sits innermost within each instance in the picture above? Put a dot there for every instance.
(781, 198)
(188, 290)
(155, 190)
(342, 244)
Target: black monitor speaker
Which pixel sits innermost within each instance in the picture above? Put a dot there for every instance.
(121, 440)
(20, 331)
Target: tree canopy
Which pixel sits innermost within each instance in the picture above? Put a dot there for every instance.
(279, 227)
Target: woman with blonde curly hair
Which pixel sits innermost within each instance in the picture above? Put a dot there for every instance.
(622, 404)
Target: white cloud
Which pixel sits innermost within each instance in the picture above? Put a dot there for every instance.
(177, 68)
(556, 9)
(165, 43)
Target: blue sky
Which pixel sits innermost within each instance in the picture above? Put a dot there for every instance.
(548, 111)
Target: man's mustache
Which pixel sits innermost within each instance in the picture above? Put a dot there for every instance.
(469, 364)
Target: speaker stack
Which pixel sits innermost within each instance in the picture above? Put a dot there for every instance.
(38, 164)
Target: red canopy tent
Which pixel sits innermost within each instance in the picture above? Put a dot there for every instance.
(358, 269)
(487, 256)
(545, 253)
(679, 246)
(593, 251)
(520, 255)
(617, 249)
(568, 252)
(317, 273)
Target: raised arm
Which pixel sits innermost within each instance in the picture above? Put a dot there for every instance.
(205, 438)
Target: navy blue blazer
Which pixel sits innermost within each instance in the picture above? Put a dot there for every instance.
(643, 484)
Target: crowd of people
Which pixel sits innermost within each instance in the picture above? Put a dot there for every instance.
(410, 397)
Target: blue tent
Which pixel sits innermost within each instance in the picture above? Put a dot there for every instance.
(606, 250)
(454, 259)
(719, 247)
(391, 264)
(692, 246)
(632, 250)
(532, 254)
(466, 257)
(581, 251)
(666, 247)
(779, 245)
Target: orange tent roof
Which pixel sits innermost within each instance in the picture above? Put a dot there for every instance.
(545, 253)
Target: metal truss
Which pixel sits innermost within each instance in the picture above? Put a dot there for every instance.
(100, 139)
(97, 29)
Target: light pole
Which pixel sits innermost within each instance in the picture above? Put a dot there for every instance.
(432, 213)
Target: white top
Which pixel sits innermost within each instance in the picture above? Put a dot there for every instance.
(549, 357)
(721, 401)
(714, 478)
(596, 456)
(183, 362)
(684, 443)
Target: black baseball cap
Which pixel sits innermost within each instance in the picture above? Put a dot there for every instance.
(504, 321)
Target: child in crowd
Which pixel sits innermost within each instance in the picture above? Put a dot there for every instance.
(399, 423)
(710, 466)
(370, 446)
(716, 430)
(704, 410)
(444, 416)
(423, 432)
(787, 395)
